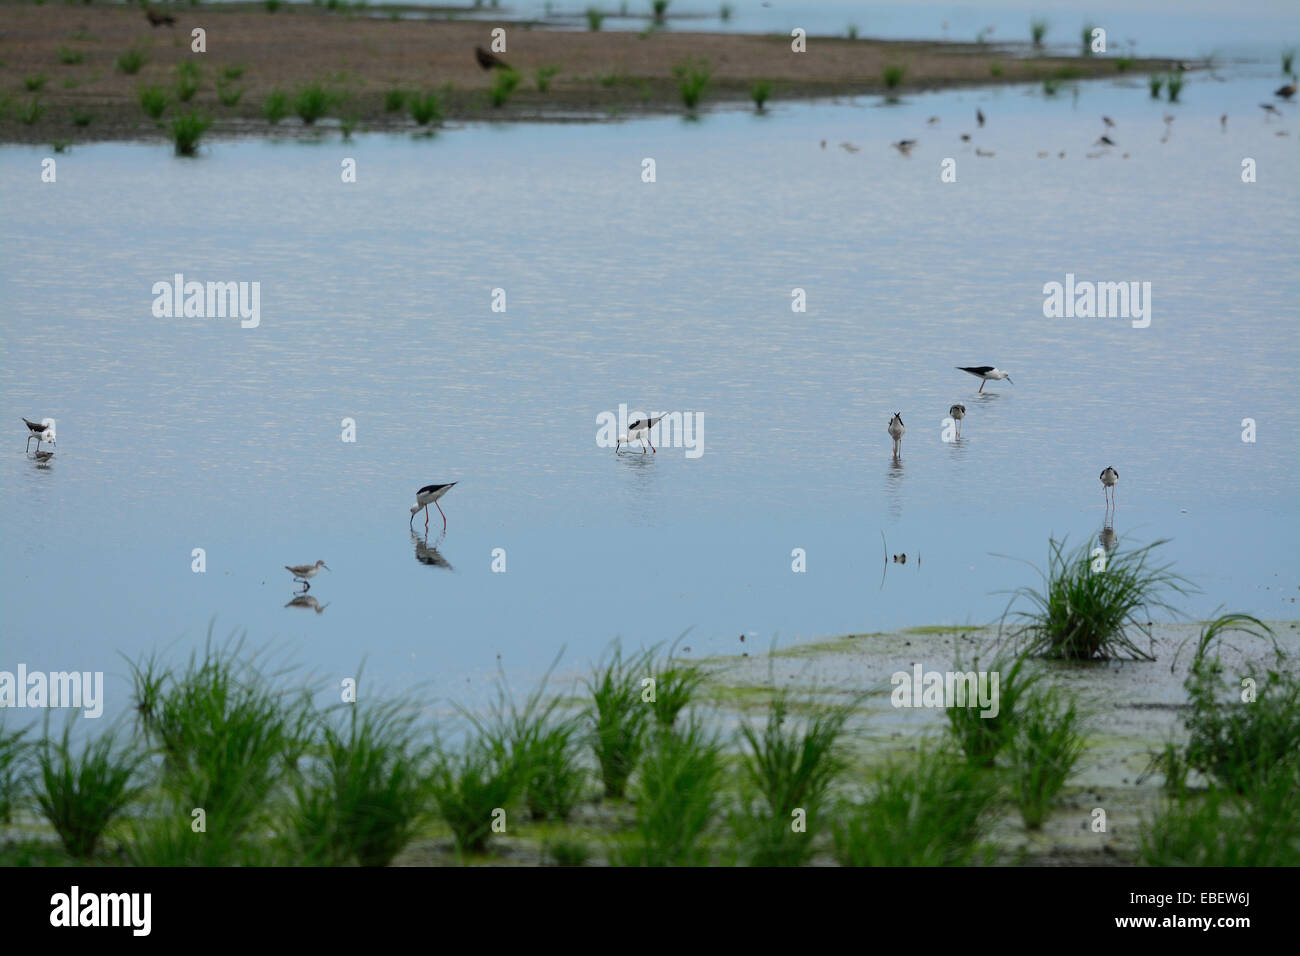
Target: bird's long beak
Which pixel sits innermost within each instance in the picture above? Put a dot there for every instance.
(1009, 380)
(325, 566)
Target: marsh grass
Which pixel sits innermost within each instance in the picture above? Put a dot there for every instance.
(425, 108)
(617, 717)
(1155, 83)
(228, 94)
(15, 772)
(1288, 60)
(276, 106)
(69, 56)
(1124, 63)
(132, 61)
(362, 799)
(760, 92)
(982, 738)
(544, 76)
(1086, 37)
(893, 75)
(232, 72)
(660, 8)
(394, 100)
(692, 80)
(932, 810)
(677, 798)
(30, 112)
(563, 851)
(594, 19)
(852, 31)
(504, 83)
(34, 83)
(468, 786)
(1174, 86)
(995, 70)
(725, 12)
(1051, 86)
(81, 795)
(788, 766)
(188, 80)
(1047, 743)
(676, 686)
(312, 102)
(1085, 614)
(1038, 29)
(82, 118)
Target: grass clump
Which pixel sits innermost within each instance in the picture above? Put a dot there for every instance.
(32, 111)
(787, 770)
(472, 789)
(1047, 744)
(567, 852)
(675, 686)
(995, 70)
(311, 103)
(1124, 63)
(1086, 36)
(1288, 60)
(276, 106)
(232, 72)
(187, 131)
(760, 92)
(982, 738)
(69, 56)
(1051, 86)
(394, 100)
(82, 118)
(544, 76)
(81, 795)
(228, 94)
(425, 108)
(132, 61)
(618, 718)
(1174, 86)
(34, 83)
(893, 76)
(188, 80)
(677, 799)
(503, 84)
(1038, 30)
(1155, 84)
(660, 8)
(692, 79)
(594, 19)
(14, 772)
(725, 12)
(932, 811)
(1089, 602)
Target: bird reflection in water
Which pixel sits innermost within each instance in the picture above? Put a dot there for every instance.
(427, 553)
(308, 601)
(1108, 539)
(894, 487)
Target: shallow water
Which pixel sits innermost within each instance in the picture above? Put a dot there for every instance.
(176, 434)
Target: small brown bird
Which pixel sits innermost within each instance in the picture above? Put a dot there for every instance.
(489, 60)
(158, 19)
(1286, 92)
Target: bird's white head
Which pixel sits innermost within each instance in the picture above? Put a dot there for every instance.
(416, 507)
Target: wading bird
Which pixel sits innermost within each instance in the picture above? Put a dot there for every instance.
(1104, 141)
(958, 412)
(1286, 92)
(303, 572)
(489, 60)
(904, 146)
(1269, 110)
(429, 495)
(1109, 477)
(39, 431)
(1110, 123)
(638, 429)
(896, 431)
(979, 116)
(986, 372)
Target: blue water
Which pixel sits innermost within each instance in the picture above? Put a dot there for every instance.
(176, 434)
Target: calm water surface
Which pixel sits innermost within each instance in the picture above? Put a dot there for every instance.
(176, 434)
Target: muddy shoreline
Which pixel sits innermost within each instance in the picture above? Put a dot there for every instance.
(60, 79)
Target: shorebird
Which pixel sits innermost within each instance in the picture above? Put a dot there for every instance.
(1223, 122)
(44, 456)
(39, 431)
(1286, 92)
(429, 495)
(638, 429)
(1104, 141)
(984, 152)
(1269, 110)
(932, 121)
(904, 146)
(1109, 476)
(1110, 123)
(304, 572)
(158, 19)
(986, 372)
(896, 431)
(849, 147)
(979, 116)
(489, 60)
(958, 412)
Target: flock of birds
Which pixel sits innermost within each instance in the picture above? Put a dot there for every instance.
(905, 146)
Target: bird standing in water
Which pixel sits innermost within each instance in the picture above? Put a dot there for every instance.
(303, 572)
(896, 432)
(1109, 477)
(958, 412)
(429, 495)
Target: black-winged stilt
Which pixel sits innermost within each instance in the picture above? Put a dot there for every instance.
(896, 431)
(1104, 141)
(958, 412)
(1269, 110)
(39, 431)
(986, 372)
(303, 572)
(904, 146)
(429, 495)
(638, 429)
(1109, 477)
(1110, 123)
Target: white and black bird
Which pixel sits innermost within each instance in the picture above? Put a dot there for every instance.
(40, 431)
(305, 572)
(986, 372)
(958, 412)
(639, 429)
(904, 146)
(1104, 141)
(1109, 478)
(896, 432)
(429, 495)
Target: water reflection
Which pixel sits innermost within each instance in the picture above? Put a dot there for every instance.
(427, 553)
(643, 501)
(1108, 538)
(894, 487)
(309, 602)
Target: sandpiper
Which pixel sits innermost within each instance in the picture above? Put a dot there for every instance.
(1109, 477)
(896, 432)
(986, 372)
(305, 572)
(429, 495)
(638, 429)
(41, 431)
(958, 412)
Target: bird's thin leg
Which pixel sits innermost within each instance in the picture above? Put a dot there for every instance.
(643, 446)
(426, 517)
(653, 449)
(443, 513)
(983, 383)
(412, 520)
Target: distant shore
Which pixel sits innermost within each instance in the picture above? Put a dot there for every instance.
(61, 79)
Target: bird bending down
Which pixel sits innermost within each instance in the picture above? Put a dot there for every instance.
(429, 495)
(986, 372)
(40, 431)
(1109, 478)
(638, 429)
(489, 60)
(958, 412)
(303, 572)
(896, 432)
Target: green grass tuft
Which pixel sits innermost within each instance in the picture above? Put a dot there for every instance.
(81, 795)
(425, 108)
